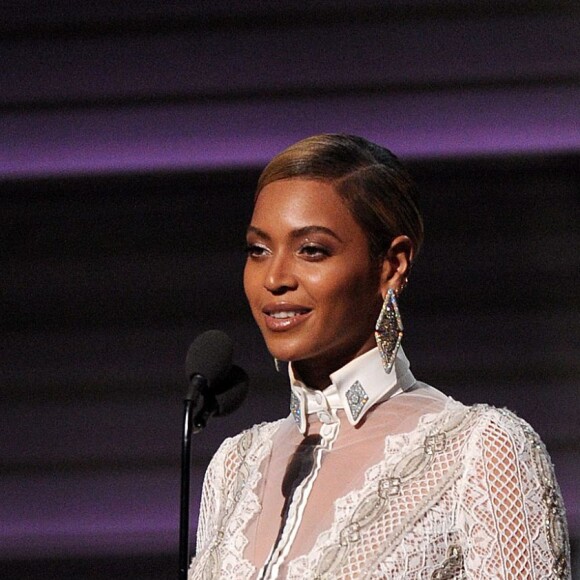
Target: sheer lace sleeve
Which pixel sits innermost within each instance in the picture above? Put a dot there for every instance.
(511, 506)
(213, 491)
(227, 503)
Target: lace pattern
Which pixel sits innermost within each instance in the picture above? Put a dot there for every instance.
(226, 510)
(514, 514)
(469, 493)
(397, 501)
(370, 522)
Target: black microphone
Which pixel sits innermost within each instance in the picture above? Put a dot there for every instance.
(209, 360)
(236, 389)
(223, 398)
(215, 388)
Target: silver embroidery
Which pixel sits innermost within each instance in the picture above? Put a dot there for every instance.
(295, 407)
(555, 522)
(350, 534)
(214, 561)
(389, 486)
(377, 503)
(435, 443)
(357, 398)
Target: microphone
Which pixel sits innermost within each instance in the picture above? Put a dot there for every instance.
(209, 359)
(224, 398)
(216, 387)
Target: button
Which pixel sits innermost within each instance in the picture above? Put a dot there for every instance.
(319, 398)
(327, 431)
(325, 417)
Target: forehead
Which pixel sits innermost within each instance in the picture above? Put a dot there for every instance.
(296, 203)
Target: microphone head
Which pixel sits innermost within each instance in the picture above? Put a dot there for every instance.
(210, 355)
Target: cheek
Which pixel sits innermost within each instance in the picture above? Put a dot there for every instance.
(357, 295)
(340, 301)
(253, 289)
(249, 282)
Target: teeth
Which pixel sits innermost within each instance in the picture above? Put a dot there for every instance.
(284, 314)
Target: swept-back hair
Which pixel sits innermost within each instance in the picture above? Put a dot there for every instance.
(375, 186)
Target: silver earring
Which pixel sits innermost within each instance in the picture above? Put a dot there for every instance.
(389, 330)
(277, 364)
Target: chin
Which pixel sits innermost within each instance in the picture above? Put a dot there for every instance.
(285, 352)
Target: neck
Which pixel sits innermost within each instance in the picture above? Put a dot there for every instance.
(315, 373)
(314, 377)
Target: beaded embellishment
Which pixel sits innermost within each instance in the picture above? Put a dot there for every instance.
(357, 398)
(295, 407)
(555, 522)
(381, 499)
(389, 330)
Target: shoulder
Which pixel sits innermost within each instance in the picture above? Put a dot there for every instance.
(505, 445)
(480, 419)
(492, 438)
(494, 426)
(238, 447)
(509, 482)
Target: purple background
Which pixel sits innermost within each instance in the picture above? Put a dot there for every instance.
(130, 141)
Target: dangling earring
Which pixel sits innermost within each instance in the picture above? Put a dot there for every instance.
(389, 330)
(277, 364)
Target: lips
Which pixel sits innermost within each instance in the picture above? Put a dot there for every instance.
(280, 317)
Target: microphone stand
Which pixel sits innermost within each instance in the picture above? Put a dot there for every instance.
(197, 384)
(199, 405)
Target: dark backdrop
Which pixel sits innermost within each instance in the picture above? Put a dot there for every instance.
(109, 278)
(131, 137)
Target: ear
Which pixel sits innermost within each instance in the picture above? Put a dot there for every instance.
(396, 265)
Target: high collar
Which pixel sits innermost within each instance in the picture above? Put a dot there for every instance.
(355, 387)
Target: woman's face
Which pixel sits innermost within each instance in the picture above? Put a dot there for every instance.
(311, 284)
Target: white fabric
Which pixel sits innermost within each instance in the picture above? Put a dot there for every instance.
(329, 431)
(368, 371)
(421, 487)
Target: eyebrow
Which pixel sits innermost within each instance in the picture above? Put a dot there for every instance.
(298, 233)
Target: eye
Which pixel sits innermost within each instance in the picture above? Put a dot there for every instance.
(314, 252)
(256, 250)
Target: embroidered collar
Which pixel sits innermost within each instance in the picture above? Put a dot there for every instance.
(355, 387)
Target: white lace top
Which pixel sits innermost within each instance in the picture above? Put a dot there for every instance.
(402, 482)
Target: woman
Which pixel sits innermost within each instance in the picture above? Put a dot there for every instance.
(373, 474)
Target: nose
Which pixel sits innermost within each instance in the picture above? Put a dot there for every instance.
(280, 276)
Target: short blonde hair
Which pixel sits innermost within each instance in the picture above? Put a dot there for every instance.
(377, 189)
